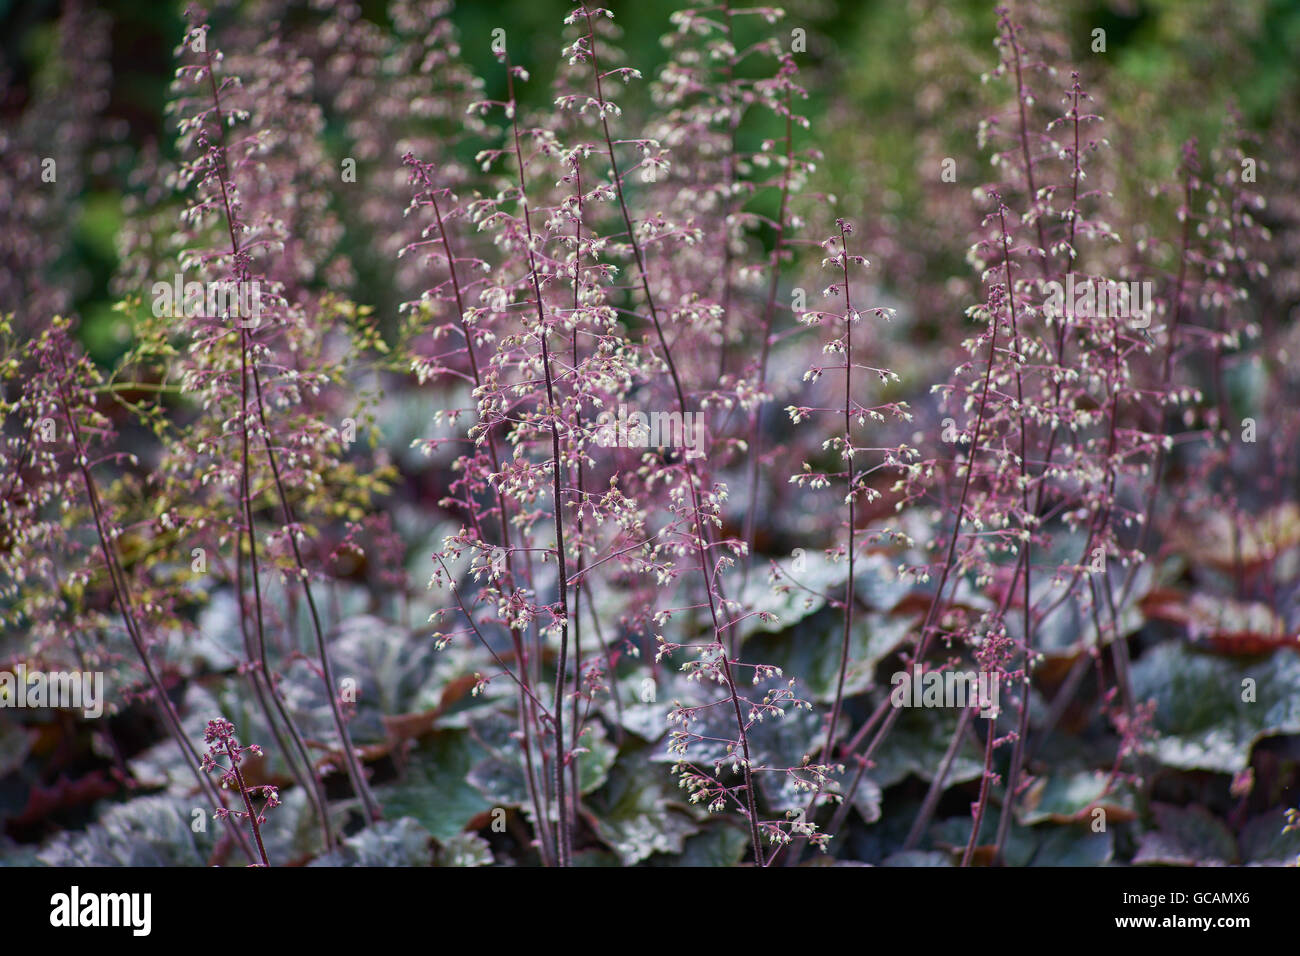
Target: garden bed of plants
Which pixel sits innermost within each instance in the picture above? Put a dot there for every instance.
(813, 439)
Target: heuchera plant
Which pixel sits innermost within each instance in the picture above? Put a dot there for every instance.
(697, 499)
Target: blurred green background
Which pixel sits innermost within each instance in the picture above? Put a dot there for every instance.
(1170, 66)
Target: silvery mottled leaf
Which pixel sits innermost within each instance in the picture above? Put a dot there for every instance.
(464, 849)
(718, 844)
(291, 832)
(634, 816)
(1071, 629)
(1073, 846)
(500, 776)
(383, 668)
(918, 858)
(396, 843)
(1201, 719)
(1072, 797)
(647, 700)
(917, 744)
(146, 831)
(435, 789)
(867, 798)
(1187, 836)
(394, 672)
(163, 764)
(810, 651)
(217, 641)
(802, 592)
(794, 594)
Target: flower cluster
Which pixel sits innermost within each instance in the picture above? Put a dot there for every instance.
(222, 743)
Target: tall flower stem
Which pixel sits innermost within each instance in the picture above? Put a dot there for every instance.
(769, 316)
(564, 837)
(701, 534)
(122, 592)
(311, 782)
(356, 773)
(850, 497)
(1167, 367)
(527, 714)
(927, 626)
(240, 260)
